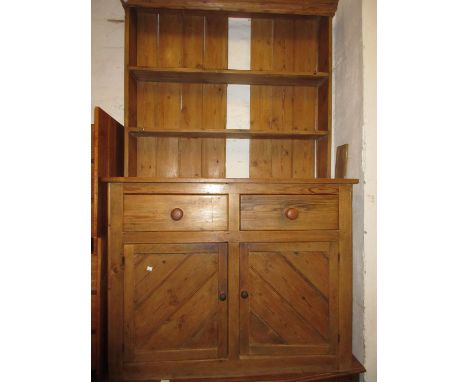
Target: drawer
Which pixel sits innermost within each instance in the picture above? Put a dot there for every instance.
(288, 212)
(175, 213)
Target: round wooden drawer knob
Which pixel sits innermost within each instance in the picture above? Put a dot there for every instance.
(292, 213)
(177, 214)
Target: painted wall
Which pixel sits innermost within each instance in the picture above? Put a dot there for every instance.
(347, 123)
(354, 121)
(369, 137)
(107, 57)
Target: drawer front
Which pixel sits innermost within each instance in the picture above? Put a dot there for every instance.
(175, 212)
(289, 212)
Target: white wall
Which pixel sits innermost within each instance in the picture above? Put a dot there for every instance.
(107, 57)
(354, 123)
(369, 136)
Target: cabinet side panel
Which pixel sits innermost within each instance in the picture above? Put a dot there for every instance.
(115, 280)
(345, 278)
(130, 97)
(325, 99)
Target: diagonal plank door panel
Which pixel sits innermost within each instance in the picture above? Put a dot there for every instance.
(172, 308)
(291, 306)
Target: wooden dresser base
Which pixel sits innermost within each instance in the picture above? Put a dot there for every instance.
(349, 376)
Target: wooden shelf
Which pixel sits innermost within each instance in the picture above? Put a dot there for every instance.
(227, 76)
(291, 7)
(231, 133)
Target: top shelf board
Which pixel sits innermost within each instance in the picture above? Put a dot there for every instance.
(227, 76)
(281, 7)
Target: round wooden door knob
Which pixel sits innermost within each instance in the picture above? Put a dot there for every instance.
(292, 213)
(244, 294)
(222, 296)
(177, 214)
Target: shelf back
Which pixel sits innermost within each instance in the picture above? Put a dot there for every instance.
(193, 40)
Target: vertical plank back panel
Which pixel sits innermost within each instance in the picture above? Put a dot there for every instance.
(181, 40)
(283, 44)
(283, 60)
(261, 97)
(215, 97)
(170, 99)
(304, 98)
(146, 92)
(192, 97)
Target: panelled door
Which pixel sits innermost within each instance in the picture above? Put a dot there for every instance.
(288, 298)
(175, 302)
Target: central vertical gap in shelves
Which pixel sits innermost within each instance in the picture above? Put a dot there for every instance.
(238, 98)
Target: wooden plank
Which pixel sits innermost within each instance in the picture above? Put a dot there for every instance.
(233, 284)
(223, 236)
(282, 116)
(190, 150)
(128, 303)
(253, 365)
(324, 117)
(146, 157)
(233, 277)
(335, 376)
(170, 56)
(177, 290)
(341, 161)
(296, 7)
(298, 289)
(314, 265)
(230, 133)
(228, 76)
(147, 94)
(130, 91)
(99, 306)
(269, 182)
(214, 97)
(345, 278)
(333, 296)
(268, 305)
(244, 303)
(115, 280)
(179, 329)
(304, 98)
(163, 264)
(107, 161)
(261, 106)
(222, 306)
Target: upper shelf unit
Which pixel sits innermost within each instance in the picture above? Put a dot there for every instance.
(177, 76)
(232, 7)
(227, 76)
